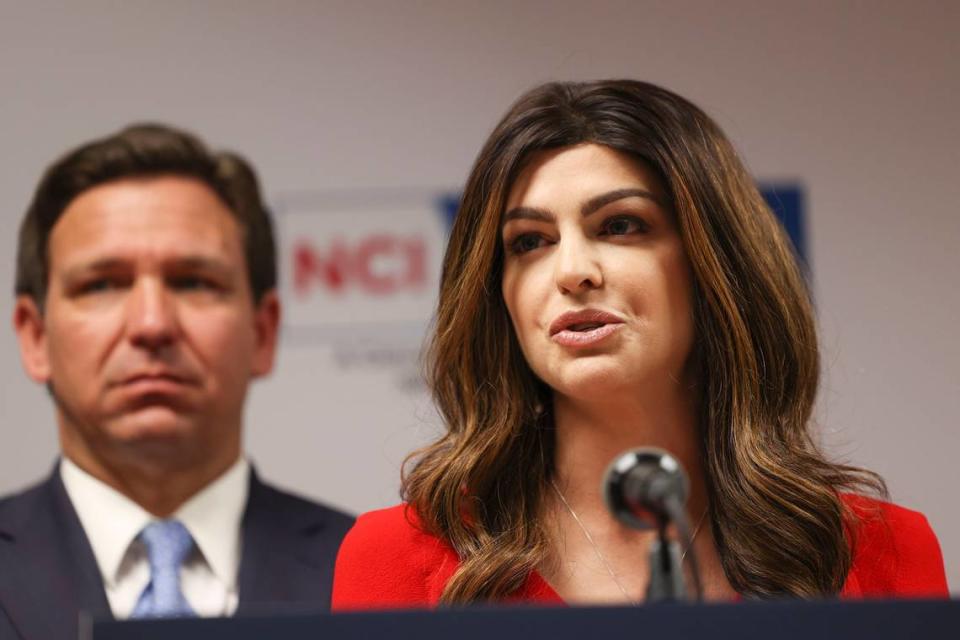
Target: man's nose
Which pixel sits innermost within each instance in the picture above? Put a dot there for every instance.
(151, 315)
(577, 266)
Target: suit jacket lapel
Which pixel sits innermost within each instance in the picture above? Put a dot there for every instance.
(288, 553)
(49, 570)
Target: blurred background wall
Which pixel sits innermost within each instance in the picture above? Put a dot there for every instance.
(362, 116)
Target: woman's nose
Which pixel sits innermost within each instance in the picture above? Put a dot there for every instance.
(577, 267)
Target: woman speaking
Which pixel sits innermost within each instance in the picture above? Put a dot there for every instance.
(614, 279)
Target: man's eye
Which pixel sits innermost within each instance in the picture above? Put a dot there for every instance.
(624, 225)
(98, 285)
(193, 283)
(526, 242)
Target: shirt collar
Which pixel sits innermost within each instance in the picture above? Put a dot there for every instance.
(109, 536)
(212, 517)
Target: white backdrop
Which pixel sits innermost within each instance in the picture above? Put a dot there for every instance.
(856, 100)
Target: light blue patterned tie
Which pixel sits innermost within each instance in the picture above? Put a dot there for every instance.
(168, 543)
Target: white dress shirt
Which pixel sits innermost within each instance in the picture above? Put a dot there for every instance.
(112, 523)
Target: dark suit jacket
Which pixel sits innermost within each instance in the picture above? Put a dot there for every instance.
(48, 573)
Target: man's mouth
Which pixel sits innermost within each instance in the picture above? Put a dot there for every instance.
(154, 382)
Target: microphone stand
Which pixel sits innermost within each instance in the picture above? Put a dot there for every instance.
(666, 570)
(666, 560)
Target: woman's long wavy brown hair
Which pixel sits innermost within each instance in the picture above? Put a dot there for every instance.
(778, 520)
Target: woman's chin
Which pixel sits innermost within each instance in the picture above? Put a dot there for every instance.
(600, 380)
(592, 382)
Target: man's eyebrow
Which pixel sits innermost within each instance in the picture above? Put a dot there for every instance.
(97, 266)
(184, 263)
(527, 213)
(604, 199)
(199, 262)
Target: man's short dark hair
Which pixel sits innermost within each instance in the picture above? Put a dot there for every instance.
(145, 150)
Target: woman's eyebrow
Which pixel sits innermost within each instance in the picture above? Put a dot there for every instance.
(604, 199)
(527, 213)
(591, 205)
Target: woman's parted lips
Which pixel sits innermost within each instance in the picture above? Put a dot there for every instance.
(582, 320)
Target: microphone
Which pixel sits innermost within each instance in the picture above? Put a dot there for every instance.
(647, 488)
(643, 487)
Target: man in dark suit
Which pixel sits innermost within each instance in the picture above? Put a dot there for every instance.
(146, 303)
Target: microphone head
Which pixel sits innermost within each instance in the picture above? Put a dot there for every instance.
(640, 484)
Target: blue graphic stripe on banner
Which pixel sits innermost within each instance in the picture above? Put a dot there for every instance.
(448, 204)
(787, 202)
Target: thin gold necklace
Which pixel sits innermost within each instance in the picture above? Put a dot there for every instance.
(596, 547)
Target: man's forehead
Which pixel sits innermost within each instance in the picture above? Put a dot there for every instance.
(166, 219)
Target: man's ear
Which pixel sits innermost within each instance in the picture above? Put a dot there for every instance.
(32, 337)
(266, 324)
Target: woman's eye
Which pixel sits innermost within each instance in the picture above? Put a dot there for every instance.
(526, 242)
(624, 225)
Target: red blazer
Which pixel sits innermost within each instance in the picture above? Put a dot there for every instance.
(386, 561)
